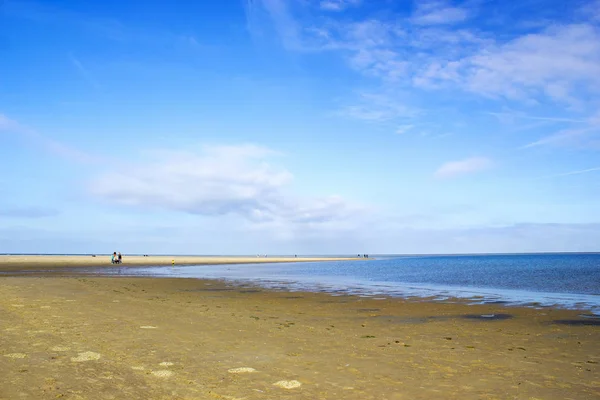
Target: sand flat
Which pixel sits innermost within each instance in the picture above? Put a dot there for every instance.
(305, 346)
(35, 262)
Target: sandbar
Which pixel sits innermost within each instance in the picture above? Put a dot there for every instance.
(38, 262)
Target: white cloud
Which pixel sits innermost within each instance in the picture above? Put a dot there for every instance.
(337, 5)
(219, 180)
(556, 63)
(559, 63)
(438, 12)
(467, 166)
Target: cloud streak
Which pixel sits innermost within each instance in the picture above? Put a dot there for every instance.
(27, 212)
(438, 12)
(338, 5)
(467, 166)
(84, 72)
(53, 146)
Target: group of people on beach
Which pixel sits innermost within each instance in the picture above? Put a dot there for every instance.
(116, 258)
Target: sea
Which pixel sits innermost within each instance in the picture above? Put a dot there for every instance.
(569, 281)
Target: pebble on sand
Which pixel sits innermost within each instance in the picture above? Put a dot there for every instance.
(241, 370)
(86, 356)
(15, 355)
(288, 384)
(162, 373)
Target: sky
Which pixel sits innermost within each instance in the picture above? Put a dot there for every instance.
(299, 126)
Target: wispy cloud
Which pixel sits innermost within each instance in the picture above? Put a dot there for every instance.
(338, 5)
(13, 127)
(512, 116)
(403, 129)
(285, 24)
(566, 138)
(107, 28)
(27, 212)
(378, 107)
(454, 169)
(439, 12)
(581, 171)
(559, 63)
(83, 71)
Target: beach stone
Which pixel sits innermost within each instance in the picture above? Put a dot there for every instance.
(288, 384)
(241, 370)
(164, 373)
(86, 356)
(15, 355)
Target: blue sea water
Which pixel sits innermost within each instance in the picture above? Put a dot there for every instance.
(563, 280)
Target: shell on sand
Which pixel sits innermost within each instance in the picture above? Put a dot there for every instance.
(147, 327)
(15, 355)
(288, 384)
(162, 373)
(241, 370)
(86, 356)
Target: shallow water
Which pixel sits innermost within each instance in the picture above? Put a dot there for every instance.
(566, 280)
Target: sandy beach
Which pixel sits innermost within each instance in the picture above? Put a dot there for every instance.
(90, 337)
(18, 263)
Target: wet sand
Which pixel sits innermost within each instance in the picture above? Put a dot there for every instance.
(18, 263)
(89, 337)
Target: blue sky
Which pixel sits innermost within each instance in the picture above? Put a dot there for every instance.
(300, 126)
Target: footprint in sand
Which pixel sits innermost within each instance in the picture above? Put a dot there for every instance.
(148, 327)
(162, 373)
(288, 384)
(241, 370)
(15, 355)
(86, 356)
(166, 364)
